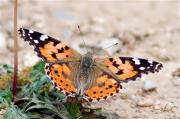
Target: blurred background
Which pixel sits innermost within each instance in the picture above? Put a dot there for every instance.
(147, 29)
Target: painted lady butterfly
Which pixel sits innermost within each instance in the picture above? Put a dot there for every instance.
(91, 78)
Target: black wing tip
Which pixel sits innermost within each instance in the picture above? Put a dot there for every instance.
(158, 67)
(20, 30)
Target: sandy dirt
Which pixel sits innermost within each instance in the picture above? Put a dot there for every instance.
(146, 29)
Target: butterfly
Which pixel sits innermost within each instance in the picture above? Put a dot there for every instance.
(94, 79)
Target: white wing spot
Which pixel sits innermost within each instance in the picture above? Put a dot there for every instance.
(23, 32)
(29, 34)
(36, 41)
(43, 37)
(136, 61)
(148, 67)
(30, 31)
(150, 61)
(157, 66)
(141, 68)
(30, 38)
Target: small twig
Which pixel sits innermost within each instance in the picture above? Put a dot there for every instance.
(15, 76)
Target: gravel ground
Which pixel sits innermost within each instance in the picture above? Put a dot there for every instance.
(147, 29)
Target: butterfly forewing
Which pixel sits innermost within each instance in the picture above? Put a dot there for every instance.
(52, 50)
(128, 68)
(48, 48)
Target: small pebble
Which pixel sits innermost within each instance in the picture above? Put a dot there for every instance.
(163, 105)
(97, 29)
(157, 105)
(176, 73)
(149, 85)
(167, 106)
(145, 103)
(2, 41)
(176, 82)
(98, 20)
(123, 96)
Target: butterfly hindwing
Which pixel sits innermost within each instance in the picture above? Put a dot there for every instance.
(48, 48)
(104, 86)
(128, 68)
(62, 76)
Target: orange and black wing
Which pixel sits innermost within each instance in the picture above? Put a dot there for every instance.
(62, 76)
(52, 51)
(112, 71)
(128, 68)
(48, 48)
(103, 86)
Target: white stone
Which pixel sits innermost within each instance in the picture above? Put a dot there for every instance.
(145, 103)
(149, 85)
(2, 41)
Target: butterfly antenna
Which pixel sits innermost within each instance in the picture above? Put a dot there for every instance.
(82, 39)
(111, 46)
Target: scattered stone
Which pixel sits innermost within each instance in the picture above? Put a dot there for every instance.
(122, 114)
(166, 106)
(160, 53)
(176, 73)
(176, 79)
(157, 105)
(163, 106)
(135, 98)
(176, 82)
(149, 85)
(97, 29)
(127, 39)
(145, 103)
(123, 96)
(98, 20)
(2, 41)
